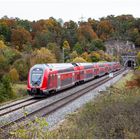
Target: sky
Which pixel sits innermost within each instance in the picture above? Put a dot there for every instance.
(68, 9)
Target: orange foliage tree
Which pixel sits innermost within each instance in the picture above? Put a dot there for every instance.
(19, 37)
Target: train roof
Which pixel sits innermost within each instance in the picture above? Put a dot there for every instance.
(85, 64)
(58, 66)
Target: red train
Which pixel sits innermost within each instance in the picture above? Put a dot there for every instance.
(47, 78)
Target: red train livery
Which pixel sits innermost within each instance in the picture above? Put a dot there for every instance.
(45, 78)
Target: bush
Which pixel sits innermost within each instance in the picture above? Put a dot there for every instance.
(33, 130)
(79, 59)
(6, 91)
(14, 76)
(112, 115)
(22, 67)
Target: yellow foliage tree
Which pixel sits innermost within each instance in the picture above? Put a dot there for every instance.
(2, 59)
(66, 45)
(14, 75)
(41, 56)
(73, 55)
(79, 60)
(2, 45)
(86, 56)
(95, 56)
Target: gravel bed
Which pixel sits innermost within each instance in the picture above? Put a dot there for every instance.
(58, 116)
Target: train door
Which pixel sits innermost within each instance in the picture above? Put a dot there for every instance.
(58, 81)
(52, 81)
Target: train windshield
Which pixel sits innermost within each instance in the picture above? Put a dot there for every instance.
(36, 76)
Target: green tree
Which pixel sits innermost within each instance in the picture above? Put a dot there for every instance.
(5, 32)
(66, 50)
(11, 55)
(69, 32)
(78, 48)
(138, 57)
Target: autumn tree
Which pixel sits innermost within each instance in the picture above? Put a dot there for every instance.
(79, 60)
(11, 55)
(2, 45)
(95, 56)
(134, 35)
(86, 56)
(104, 29)
(22, 68)
(73, 55)
(14, 76)
(42, 56)
(93, 23)
(69, 33)
(86, 33)
(66, 50)
(27, 25)
(42, 39)
(3, 65)
(19, 37)
(55, 50)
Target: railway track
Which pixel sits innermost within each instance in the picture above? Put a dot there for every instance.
(62, 101)
(18, 105)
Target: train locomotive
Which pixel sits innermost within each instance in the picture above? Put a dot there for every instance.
(46, 78)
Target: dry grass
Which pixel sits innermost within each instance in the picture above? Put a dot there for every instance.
(115, 114)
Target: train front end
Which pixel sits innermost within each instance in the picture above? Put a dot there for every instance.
(37, 80)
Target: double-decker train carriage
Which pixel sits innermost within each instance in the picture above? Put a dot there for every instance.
(45, 78)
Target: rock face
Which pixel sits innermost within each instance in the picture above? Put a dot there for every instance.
(125, 51)
(118, 48)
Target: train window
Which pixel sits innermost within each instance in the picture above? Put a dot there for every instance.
(74, 64)
(36, 76)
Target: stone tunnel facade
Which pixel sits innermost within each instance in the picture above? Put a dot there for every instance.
(129, 61)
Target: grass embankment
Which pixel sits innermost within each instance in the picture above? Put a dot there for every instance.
(114, 114)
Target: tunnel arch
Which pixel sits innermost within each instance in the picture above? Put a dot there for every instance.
(130, 63)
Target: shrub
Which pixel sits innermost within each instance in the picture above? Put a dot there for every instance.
(111, 115)
(32, 130)
(79, 59)
(14, 76)
(6, 91)
(22, 67)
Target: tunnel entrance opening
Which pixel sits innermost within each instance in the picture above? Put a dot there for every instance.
(130, 63)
